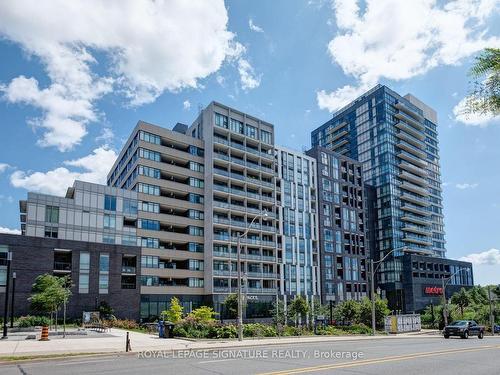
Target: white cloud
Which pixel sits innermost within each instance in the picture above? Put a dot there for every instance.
(220, 80)
(9, 231)
(489, 257)
(3, 167)
(107, 135)
(254, 27)
(472, 119)
(466, 186)
(93, 168)
(149, 47)
(421, 35)
(249, 80)
(186, 105)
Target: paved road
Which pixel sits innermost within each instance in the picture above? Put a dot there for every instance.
(397, 356)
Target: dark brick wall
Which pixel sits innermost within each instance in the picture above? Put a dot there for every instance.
(33, 256)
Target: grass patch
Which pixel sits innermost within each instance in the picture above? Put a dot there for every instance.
(13, 358)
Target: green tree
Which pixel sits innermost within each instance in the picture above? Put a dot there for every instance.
(105, 309)
(49, 293)
(231, 306)
(278, 313)
(203, 314)
(174, 313)
(381, 311)
(298, 309)
(348, 311)
(484, 97)
(462, 299)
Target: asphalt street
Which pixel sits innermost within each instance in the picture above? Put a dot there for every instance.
(392, 356)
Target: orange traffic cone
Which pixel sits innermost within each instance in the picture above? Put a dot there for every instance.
(45, 333)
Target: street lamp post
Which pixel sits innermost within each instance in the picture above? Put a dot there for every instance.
(238, 249)
(12, 300)
(372, 285)
(445, 303)
(6, 305)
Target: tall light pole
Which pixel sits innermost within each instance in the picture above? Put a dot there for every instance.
(6, 304)
(372, 285)
(264, 215)
(12, 300)
(445, 303)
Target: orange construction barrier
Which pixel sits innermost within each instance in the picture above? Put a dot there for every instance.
(45, 334)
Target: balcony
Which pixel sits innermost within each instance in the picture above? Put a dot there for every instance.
(129, 269)
(424, 241)
(62, 266)
(411, 139)
(261, 290)
(403, 107)
(412, 159)
(414, 188)
(410, 120)
(414, 179)
(411, 149)
(413, 169)
(337, 145)
(415, 200)
(415, 219)
(338, 127)
(410, 130)
(416, 229)
(339, 135)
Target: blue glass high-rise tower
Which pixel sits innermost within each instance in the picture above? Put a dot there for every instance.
(395, 138)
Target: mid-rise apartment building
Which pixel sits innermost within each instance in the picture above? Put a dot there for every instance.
(297, 204)
(166, 169)
(395, 138)
(341, 226)
(240, 184)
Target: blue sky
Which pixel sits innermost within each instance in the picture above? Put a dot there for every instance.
(75, 78)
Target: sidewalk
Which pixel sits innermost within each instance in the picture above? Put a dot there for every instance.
(114, 342)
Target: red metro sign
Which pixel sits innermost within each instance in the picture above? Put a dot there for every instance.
(434, 290)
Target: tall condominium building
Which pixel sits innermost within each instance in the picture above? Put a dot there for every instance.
(342, 226)
(298, 255)
(239, 191)
(166, 169)
(395, 138)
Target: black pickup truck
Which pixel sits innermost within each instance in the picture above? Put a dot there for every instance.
(464, 329)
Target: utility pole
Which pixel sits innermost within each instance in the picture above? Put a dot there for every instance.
(445, 313)
(492, 318)
(6, 302)
(12, 300)
(372, 287)
(240, 302)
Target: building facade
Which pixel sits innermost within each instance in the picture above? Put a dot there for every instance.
(88, 212)
(99, 273)
(341, 226)
(395, 138)
(166, 169)
(423, 284)
(298, 251)
(240, 185)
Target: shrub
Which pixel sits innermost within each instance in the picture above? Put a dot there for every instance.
(203, 314)
(357, 329)
(223, 332)
(295, 331)
(258, 330)
(193, 327)
(32, 321)
(174, 313)
(330, 331)
(123, 324)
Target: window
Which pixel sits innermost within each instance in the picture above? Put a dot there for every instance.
(83, 280)
(129, 206)
(148, 137)
(103, 273)
(148, 224)
(196, 265)
(149, 261)
(149, 280)
(148, 189)
(129, 240)
(51, 214)
(193, 150)
(251, 132)
(109, 221)
(149, 172)
(109, 203)
(195, 282)
(149, 207)
(195, 247)
(149, 242)
(194, 166)
(195, 214)
(195, 198)
(4, 253)
(221, 120)
(196, 182)
(236, 126)
(51, 232)
(266, 137)
(195, 231)
(148, 154)
(109, 239)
